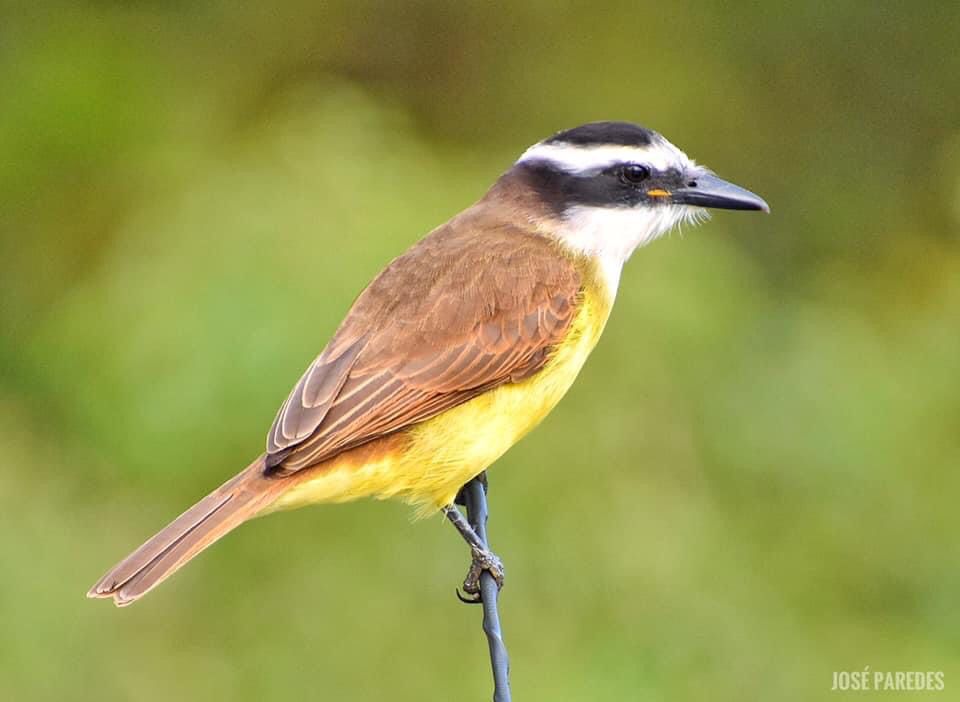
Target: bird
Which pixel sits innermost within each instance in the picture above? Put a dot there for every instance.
(460, 346)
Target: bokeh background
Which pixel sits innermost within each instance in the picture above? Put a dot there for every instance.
(754, 483)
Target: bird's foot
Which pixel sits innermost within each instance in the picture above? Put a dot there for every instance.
(482, 559)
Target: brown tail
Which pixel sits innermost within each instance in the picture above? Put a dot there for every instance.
(224, 509)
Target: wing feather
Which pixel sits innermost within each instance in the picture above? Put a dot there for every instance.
(455, 316)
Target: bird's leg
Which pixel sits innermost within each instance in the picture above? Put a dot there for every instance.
(482, 558)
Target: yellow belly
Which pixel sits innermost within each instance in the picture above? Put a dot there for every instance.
(437, 456)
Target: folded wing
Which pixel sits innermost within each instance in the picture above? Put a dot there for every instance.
(454, 316)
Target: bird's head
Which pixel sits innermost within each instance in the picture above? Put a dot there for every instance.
(608, 187)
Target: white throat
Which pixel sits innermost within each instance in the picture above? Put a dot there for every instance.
(609, 235)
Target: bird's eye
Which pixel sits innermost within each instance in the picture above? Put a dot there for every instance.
(634, 173)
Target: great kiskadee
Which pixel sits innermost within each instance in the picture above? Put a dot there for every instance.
(461, 345)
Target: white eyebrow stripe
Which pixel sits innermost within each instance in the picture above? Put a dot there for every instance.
(659, 155)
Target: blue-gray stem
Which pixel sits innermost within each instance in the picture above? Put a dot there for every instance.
(475, 497)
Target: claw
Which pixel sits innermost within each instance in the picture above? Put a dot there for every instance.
(476, 599)
(482, 560)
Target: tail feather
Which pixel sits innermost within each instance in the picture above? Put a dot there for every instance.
(233, 503)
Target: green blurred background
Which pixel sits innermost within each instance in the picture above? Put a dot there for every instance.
(753, 484)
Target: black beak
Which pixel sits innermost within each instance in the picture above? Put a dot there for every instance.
(707, 190)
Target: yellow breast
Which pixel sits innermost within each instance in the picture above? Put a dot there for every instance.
(441, 454)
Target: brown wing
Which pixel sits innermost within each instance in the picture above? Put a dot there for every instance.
(455, 315)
